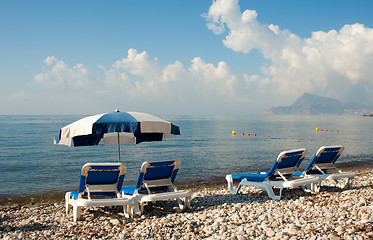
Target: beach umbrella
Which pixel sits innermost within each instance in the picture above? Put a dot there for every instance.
(116, 128)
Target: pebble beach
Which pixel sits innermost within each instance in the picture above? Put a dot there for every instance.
(332, 213)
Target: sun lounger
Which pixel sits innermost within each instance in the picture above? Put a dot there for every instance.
(100, 185)
(280, 175)
(156, 183)
(323, 166)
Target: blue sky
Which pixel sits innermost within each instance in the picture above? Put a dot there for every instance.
(182, 57)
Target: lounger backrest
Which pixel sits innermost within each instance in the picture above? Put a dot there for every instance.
(287, 162)
(325, 157)
(161, 172)
(101, 175)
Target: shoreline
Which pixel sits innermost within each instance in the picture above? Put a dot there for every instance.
(190, 184)
(333, 213)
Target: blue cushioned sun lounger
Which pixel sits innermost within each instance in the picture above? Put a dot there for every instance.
(323, 166)
(280, 175)
(100, 185)
(156, 183)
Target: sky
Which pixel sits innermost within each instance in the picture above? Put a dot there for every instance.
(178, 57)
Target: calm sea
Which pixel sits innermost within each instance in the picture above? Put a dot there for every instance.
(31, 164)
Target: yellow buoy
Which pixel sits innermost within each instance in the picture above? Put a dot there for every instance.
(233, 133)
(317, 129)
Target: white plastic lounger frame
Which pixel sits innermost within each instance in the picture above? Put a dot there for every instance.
(181, 196)
(108, 187)
(280, 175)
(323, 161)
(149, 179)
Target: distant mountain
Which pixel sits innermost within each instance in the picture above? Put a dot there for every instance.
(309, 104)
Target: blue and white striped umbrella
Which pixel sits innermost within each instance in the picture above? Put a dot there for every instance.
(116, 128)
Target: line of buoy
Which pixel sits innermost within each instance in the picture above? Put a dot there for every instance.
(293, 138)
(324, 130)
(317, 130)
(243, 134)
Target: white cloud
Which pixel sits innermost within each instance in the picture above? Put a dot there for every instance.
(335, 63)
(142, 77)
(57, 74)
(214, 80)
(136, 75)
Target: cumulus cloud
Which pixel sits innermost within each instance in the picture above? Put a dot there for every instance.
(334, 63)
(140, 76)
(139, 79)
(56, 73)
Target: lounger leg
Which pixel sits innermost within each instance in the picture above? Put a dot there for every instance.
(136, 209)
(340, 184)
(270, 192)
(127, 210)
(313, 187)
(187, 202)
(307, 188)
(317, 186)
(279, 196)
(349, 183)
(230, 185)
(76, 212)
(142, 207)
(67, 202)
(181, 205)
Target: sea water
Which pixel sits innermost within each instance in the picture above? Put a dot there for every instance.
(30, 163)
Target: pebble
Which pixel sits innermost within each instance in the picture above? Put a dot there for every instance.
(330, 214)
(114, 221)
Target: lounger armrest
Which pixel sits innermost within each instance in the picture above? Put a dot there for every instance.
(103, 202)
(165, 196)
(342, 175)
(301, 182)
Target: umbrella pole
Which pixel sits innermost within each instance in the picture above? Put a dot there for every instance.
(118, 148)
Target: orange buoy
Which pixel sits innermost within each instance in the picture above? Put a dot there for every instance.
(242, 134)
(254, 134)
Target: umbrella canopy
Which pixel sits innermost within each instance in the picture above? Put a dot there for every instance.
(116, 128)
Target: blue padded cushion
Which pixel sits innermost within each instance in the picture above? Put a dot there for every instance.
(327, 156)
(129, 190)
(289, 160)
(102, 177)
(155, 171)
(256, 177)
(74, 194)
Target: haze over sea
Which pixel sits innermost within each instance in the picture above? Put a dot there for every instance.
(31, 164)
